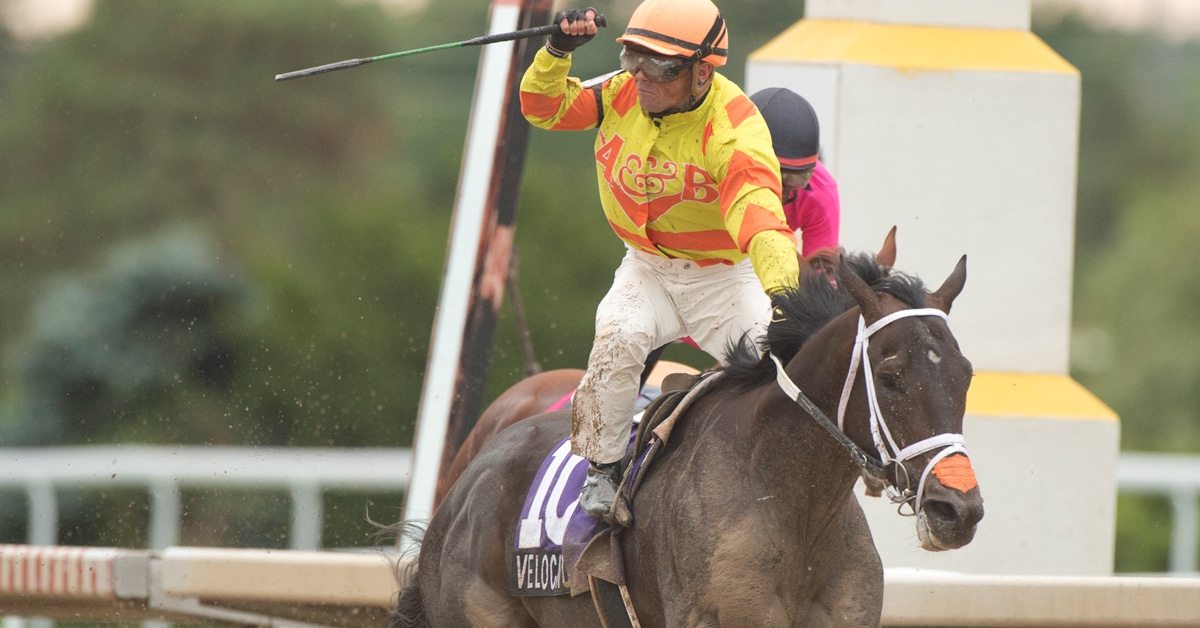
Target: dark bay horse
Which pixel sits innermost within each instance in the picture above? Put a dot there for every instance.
(748, 517)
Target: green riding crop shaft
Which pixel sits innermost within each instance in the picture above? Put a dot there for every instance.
(478, 41)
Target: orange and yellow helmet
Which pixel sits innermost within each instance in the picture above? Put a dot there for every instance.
(693, 29)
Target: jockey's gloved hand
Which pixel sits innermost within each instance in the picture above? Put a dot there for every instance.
(563, 43)
(778, 312)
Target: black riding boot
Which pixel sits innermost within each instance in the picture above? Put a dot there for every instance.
(600, 488)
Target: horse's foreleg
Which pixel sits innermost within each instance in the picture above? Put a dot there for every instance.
(853, 596)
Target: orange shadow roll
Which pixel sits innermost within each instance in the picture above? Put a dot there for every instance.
(955, 472)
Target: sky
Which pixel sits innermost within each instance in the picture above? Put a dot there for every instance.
(39, 18)
(1177, 18)
(43, 18)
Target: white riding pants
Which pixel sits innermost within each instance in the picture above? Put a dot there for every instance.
(653, 301)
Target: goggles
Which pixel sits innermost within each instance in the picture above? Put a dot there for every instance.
(657, 69)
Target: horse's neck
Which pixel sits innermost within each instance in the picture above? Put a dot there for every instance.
(821, 365)
(823, 467)
(810, 477)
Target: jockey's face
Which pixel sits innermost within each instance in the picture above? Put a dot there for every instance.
(656, 97)
(794, 181)
(665, 84)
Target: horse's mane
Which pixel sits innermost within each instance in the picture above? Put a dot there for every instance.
(807, 310)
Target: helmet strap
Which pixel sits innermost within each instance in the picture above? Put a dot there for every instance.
(711, 39)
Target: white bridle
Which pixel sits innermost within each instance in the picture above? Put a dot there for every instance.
(889, 450)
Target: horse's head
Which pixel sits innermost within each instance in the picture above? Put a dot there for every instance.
(875, 345)
(905, 397)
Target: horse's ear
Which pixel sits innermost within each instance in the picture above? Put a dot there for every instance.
(887, 253)
(868, 301)
(944, 296)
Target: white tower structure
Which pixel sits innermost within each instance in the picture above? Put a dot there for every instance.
(954, 122)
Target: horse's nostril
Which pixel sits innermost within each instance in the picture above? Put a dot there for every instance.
(940, 510)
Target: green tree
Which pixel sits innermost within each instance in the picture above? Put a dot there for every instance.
(8, 56)
(327, 204)
(155, 113)
(1136, 283)
(107, 347)
(1136, 219)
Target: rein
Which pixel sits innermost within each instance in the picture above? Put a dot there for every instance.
(889, 451)
(861, 458)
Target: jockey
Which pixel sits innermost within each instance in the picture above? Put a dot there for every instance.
(810, 194)
(689, 182)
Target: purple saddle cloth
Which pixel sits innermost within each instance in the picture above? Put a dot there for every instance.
(553, 529)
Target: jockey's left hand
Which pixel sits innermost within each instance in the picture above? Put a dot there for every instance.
(576, 28)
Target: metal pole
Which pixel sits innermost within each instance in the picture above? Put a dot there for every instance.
(166, 513)
(308, 514)
(43, 512)
(443, 382)
(532, 366)
(1184, 518)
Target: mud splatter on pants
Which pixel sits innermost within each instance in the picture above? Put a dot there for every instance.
(653, 301)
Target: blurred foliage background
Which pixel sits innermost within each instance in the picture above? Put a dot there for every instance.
(195, 254)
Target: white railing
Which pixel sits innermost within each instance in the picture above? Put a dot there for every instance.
(1176, 477)
(165, 471)
(304, 473)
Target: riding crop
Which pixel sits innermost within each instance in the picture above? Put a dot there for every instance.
(478, 41)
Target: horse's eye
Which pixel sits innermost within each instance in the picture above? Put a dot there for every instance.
(887, 376)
